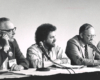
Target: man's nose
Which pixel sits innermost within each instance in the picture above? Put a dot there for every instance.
(13, 32)
(92, 38)
(54, 39)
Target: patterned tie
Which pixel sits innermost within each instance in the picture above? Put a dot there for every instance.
(86, 52)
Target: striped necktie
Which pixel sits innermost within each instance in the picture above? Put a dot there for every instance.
(86, 52)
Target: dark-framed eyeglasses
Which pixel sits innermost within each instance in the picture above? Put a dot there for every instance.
(9, 30)
(90, 36)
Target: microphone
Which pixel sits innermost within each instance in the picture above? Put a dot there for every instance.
(44, 52)
(94, 47)
(42, 48)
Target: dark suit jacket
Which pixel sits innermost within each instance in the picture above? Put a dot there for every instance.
(74, 52)
(16, 54)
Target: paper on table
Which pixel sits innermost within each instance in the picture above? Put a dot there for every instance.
(3, 71)
(26, 72)
(73, 66)
(96, 66)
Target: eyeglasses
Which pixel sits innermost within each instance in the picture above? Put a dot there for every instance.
(9, 30)
(90, 36)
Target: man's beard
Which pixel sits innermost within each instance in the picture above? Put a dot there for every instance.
(50, 45)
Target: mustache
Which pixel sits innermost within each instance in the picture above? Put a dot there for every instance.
(54, 41)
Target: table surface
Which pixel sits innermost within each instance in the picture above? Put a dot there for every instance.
(4, 74)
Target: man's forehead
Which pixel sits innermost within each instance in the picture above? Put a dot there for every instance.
(90, 31)
(52, 33)
(6, 25)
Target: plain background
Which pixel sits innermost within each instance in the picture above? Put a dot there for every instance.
(66, 15)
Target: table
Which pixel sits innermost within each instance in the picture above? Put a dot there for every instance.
(86, 73)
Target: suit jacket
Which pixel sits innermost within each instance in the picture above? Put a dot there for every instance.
(16, 55)
(34, 53)
(74, 52)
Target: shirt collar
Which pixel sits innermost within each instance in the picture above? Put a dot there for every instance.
(82, 44)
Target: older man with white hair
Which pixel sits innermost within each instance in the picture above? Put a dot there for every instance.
(10, 54)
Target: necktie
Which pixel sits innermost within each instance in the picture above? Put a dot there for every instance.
(86, 52)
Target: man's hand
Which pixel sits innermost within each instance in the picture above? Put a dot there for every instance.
(58, 61)
(5, 36)
(16, 67)
(64, 60)
(39, 63)
(6, 48)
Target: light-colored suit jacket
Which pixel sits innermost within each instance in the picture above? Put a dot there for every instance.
(34, 53)
(77, 57)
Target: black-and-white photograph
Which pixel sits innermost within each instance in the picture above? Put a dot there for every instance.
(50, 39)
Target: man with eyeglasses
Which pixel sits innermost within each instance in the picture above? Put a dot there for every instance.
(81, 48)
(10, 54)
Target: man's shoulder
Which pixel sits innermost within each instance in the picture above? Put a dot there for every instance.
(74, 40)
(33, 46)
(34, 49)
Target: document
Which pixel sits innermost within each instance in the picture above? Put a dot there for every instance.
(73, 66)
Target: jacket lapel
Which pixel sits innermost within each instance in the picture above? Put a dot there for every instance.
(90, 52)
(78, 42)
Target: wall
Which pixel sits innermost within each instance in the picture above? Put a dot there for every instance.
(66, 15)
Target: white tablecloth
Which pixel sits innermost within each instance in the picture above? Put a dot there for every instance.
(53, 71)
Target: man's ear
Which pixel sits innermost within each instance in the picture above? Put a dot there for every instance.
(81, 35)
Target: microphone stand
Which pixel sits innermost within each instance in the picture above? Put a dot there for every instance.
(42, 68)
(46, 69)
(94, 48)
